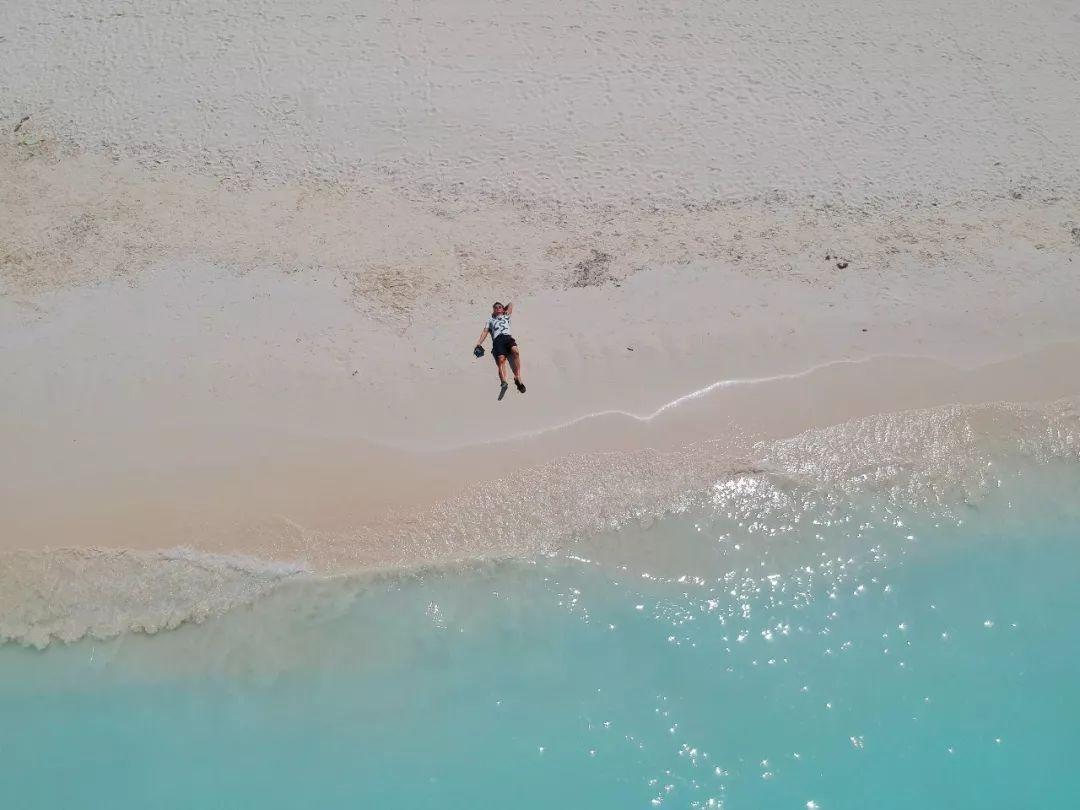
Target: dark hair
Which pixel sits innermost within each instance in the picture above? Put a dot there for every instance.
(496, 304)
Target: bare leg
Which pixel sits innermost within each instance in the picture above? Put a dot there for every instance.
(503, 384)
(515, 362)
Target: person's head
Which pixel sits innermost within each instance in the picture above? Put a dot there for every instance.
(497, 309)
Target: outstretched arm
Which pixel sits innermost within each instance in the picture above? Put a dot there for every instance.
(483, 336)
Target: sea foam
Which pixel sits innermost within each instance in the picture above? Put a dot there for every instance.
(939, 461)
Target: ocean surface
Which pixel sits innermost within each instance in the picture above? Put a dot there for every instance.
(905, 634)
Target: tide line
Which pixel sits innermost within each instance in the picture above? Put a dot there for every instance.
(735, 382)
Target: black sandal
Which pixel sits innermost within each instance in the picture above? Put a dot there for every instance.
(502, 391)
(520, 385)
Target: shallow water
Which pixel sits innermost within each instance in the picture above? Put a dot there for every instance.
(768, 645)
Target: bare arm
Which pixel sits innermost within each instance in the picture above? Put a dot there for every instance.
(509, 308)
(483, 336)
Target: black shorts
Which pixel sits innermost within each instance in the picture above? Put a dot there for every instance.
(500, 346)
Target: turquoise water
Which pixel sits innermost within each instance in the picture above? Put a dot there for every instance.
(769, 646)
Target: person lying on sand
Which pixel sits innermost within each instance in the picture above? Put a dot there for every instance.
(503, 346)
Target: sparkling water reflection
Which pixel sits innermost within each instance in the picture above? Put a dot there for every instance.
(770, 646)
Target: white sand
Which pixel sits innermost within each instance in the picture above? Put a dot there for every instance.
(609, 101)
(245, 250)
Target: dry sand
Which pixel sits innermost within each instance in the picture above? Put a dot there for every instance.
(245, 252)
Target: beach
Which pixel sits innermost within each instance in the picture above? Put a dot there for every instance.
(254, 388)
(237, 317)
(776, 272)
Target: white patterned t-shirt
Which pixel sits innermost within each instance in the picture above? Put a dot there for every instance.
(498, 325)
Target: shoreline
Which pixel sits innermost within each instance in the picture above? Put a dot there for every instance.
(282, 504)
(939, 458)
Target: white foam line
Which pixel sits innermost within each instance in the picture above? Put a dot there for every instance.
(700, 392)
